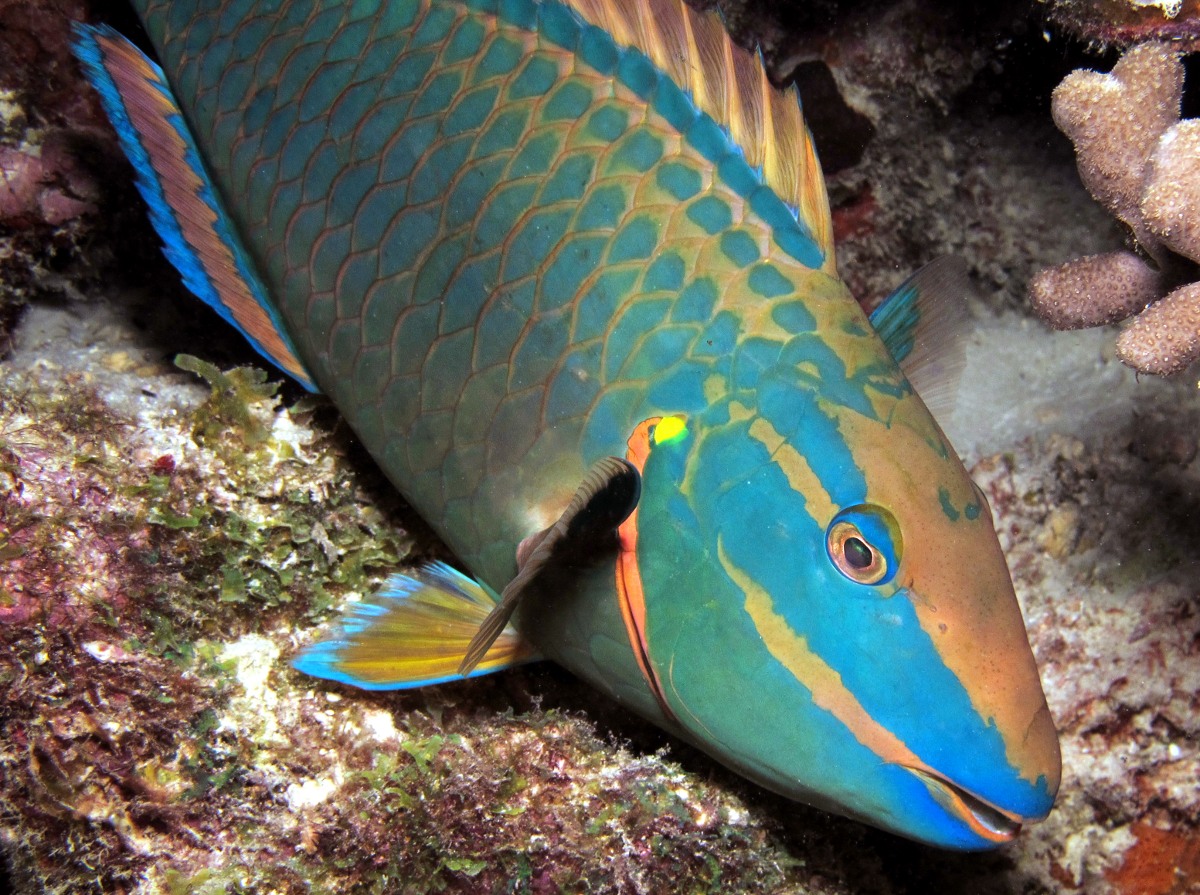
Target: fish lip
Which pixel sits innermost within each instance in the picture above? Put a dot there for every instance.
(984, 818)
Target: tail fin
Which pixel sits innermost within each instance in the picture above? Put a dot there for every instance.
(199, 237)
(414, 632)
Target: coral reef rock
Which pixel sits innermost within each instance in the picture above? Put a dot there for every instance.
(70, 219)
(1120, 23)
(167, 542)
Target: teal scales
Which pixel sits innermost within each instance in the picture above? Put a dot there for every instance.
(499, 248)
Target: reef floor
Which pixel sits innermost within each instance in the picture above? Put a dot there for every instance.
(168, 543)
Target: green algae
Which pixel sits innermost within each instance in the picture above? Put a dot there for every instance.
(232, 403)
(114, 564)
(285, 537)
(538, 803)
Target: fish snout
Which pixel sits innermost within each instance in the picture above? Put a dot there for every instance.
(995, 806)
(1024, 798)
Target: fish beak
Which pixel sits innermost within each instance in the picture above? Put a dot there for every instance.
(998, 817)
(985, 819)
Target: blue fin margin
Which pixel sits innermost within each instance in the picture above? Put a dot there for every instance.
(924, 324)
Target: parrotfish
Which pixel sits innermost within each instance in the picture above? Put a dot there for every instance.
(567, 269)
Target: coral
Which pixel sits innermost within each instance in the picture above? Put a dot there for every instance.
(65, 189)
(153, 739)
(47, 186)
(1098, 539)
(1143, 165)
(1115, 122)
(934, 142)
(1165, 337)
(160, 547)
(127, 543)
(1172, 192)
(1094, 290)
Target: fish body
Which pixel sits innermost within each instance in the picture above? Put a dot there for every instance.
(511, 239)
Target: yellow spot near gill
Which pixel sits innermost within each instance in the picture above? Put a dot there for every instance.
(799, 474)
(810, 369)
(828, 692)
(670, 428)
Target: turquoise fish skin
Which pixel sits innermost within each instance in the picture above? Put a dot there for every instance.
(507, 246)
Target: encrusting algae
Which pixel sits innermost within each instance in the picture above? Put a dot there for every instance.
(1121, 23)
(155, 570)
(157, 742)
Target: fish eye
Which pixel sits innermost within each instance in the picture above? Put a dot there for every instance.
(853, 556)
(862, 543)
(857, 553)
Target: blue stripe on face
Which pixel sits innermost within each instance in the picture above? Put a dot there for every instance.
(797, 746)
(721, 486)
(797, 415)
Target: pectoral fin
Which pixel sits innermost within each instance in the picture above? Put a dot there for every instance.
(607, 495)
(412, 633)
(924, 324)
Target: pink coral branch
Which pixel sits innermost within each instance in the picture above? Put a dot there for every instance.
(1143, 164)
(1171, 202)
(1115, 120)
(1094, 290)
(1165, 338)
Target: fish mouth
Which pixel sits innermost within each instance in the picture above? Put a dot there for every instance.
(984, 818)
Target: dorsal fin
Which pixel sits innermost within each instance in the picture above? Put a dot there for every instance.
(730, 85)
(198, 236)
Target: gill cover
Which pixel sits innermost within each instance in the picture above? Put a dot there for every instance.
(803, 628)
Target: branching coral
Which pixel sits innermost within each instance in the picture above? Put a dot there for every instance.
(1143, 164)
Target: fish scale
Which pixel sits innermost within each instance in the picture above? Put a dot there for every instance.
(491, 256)
(541, 257)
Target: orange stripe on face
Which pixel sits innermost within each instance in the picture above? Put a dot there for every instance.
(632, 598)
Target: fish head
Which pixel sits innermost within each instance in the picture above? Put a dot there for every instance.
(827, 609)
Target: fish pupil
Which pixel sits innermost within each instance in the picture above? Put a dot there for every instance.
(857, 553)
